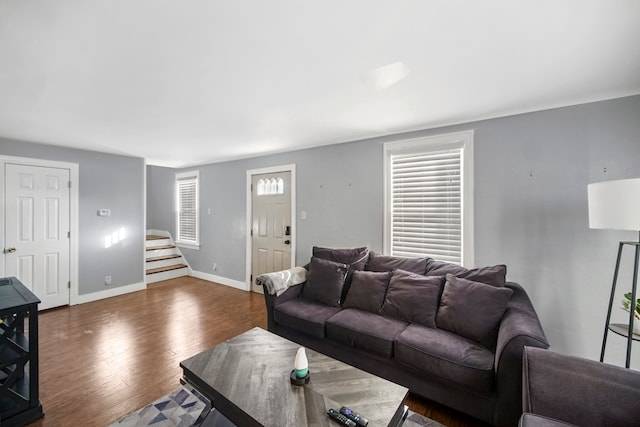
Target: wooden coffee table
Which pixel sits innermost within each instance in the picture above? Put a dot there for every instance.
(247, 380)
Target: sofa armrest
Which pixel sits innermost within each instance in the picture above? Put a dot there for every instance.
(272, 301)
(580, 391)
(520, 326)
(520, 321)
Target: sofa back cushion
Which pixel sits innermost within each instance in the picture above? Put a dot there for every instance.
(472, 309)
(494, 275)
(367, 290)
(325, 281)
(379, 262)
(413, 297)
(355, 258)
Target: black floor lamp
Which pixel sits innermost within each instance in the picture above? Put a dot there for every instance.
(615, 205)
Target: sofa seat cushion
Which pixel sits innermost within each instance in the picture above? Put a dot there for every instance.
(365, 330)
(447, 356)
(304, 315)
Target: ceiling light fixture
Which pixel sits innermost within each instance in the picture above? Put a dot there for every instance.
(388, 75)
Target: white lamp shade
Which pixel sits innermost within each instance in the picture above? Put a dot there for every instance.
(615, 204)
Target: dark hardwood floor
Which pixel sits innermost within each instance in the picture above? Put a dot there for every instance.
(101, 360)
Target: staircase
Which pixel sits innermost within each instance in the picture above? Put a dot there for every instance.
(163, 259)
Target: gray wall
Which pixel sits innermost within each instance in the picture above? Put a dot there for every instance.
(161, 196)
(106, 181)
(531, 176)
(340, 187)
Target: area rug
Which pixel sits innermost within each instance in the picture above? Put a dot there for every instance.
(182, 407)
(185, 407)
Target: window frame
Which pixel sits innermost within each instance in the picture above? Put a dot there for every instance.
(183, 176)
(462, 140)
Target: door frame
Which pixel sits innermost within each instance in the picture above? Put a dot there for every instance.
(273, 169)
(73, 212)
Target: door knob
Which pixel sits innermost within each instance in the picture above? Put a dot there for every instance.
(9, 250)
(287, 242)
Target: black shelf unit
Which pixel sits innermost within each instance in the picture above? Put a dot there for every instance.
(19, 394)
(620, 329)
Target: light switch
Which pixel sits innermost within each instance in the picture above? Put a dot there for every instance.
(303, 214)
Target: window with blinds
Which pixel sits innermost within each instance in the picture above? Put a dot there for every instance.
(426, 205)
(426, 199)
(187, 209)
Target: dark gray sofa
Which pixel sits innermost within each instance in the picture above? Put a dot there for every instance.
(561, 390)
(482, 381)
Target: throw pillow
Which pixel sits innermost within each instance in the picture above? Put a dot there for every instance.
(413, 297)
(367, 290)
(355, 258)
(325, 281)
(472, 309)
(494, 275)
(389, 263)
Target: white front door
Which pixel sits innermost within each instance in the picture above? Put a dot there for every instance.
(36, 247)
(271, 224)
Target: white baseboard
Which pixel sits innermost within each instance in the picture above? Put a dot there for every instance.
(222, 280)
(108, 293)
(121, 290)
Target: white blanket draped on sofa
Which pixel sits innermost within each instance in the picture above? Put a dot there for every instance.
(277, 282)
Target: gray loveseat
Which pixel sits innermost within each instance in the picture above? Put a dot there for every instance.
(561, 390)
(450, 334)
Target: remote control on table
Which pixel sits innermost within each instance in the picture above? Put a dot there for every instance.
(354, 416)
(341, 418)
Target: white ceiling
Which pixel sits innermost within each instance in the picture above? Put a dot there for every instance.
(183, 82)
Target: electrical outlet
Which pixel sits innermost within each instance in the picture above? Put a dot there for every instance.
(107, 280)
(215, 266)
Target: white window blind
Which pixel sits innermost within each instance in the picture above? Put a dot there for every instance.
(187, 218)
(429, 198)
(426, 205)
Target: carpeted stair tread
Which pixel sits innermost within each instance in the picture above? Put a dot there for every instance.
(167, 268)
(163, 258)
(157, 248)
